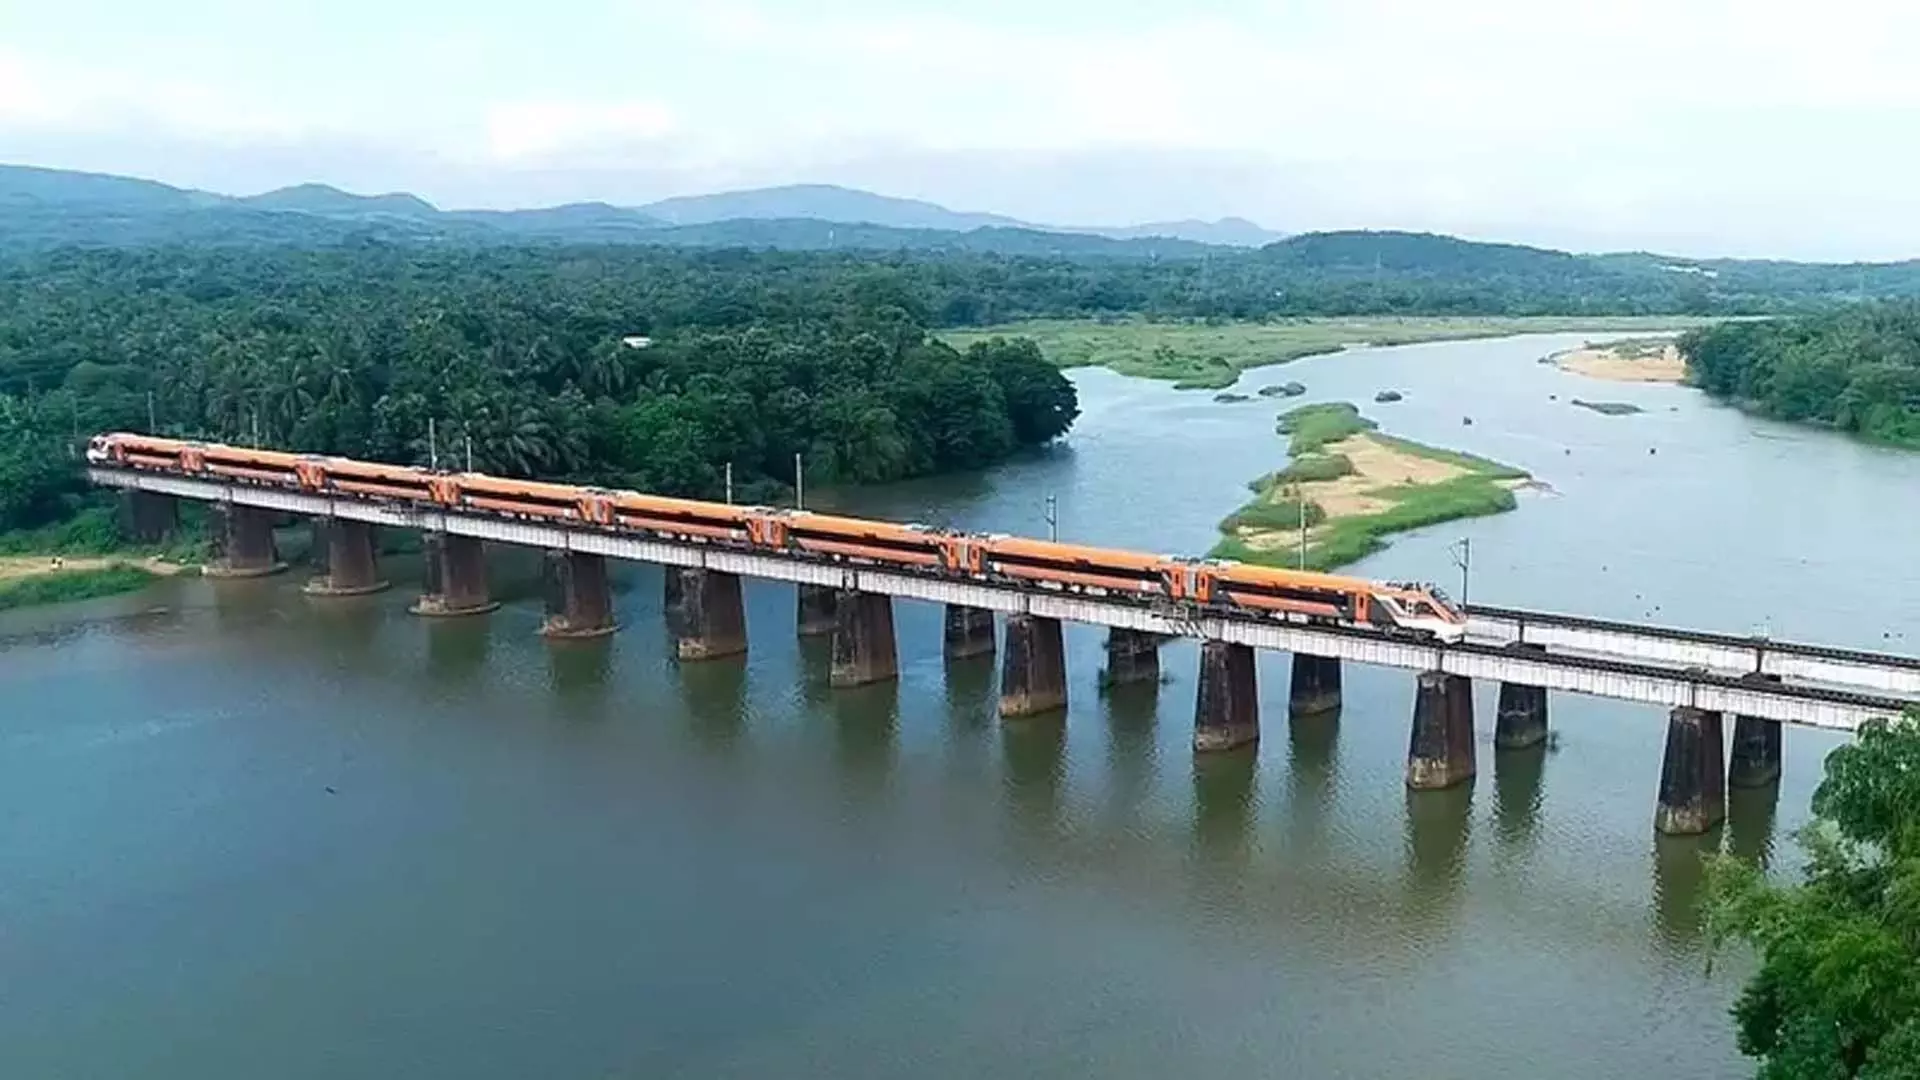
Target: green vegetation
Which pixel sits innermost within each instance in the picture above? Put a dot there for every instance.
(1316, 468)
(1835, 994)
(1413, 506)
(1310, 427)
(1471, 487)
(1856, 369)
(1273, 511)
(94, 530)
(1199, 355)
(62, 586)
(629, 367)
(1638, 348)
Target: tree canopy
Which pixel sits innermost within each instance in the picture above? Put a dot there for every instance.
(629, 368)
(1838, 990)
(1857, 368)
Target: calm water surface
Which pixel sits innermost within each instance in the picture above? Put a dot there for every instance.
(243, 834)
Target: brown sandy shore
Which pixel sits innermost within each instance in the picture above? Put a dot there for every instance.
(1626, 361)
(16, 567)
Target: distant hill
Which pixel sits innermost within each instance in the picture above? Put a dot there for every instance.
(42, 208)
(1226, 232)
(322, 199)
(822, 202)
(826, 202)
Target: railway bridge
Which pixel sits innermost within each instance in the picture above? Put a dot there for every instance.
(1702, 678)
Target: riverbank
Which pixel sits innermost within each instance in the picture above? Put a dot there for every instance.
(1199, 356)
(1347, 486)
(1641, 360)
(29, 581)
(85, 557)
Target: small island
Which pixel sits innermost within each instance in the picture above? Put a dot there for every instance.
(1609, 408)
(1641, 360)
(1231, 399)
(1347, 485)
(1288, 389)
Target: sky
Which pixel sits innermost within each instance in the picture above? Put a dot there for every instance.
(1698, 127)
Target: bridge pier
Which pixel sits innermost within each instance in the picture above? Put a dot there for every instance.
(346, 550)
(243, 543)
(814, 609)
(1521, 721)
(1693, 790)
(148, 517)
(1226, 708)
(1133, 656)
(579, 600)
(863, 644)
(1756, 752)
(1315, 686)
(967, 632)
(1033, 676)
(1756, 748)
(708, 619)
(455, 577)
(1440, 753)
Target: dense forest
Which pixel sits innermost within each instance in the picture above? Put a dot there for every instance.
(1856, 368)
(631, 367)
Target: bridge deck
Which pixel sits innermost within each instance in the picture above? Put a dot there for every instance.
(1651, 665)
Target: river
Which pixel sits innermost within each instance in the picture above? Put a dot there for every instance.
(248, 834)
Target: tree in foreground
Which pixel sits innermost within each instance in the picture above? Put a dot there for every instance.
(1838, 990)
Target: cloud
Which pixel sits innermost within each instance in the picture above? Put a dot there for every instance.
(541, 129)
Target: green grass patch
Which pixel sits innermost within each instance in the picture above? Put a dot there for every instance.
(1266, 512)
(1315, 468)
(65, 586)
(1197, 356)
(1483, 489)
(1310, 427)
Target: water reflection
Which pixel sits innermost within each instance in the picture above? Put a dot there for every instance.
(1439, 825)
(1679, 871)
(579, 670)
(715, 695)
(1034, 752)
(1224, 806)
(866, 730)
(346, 625)
(1132, 761)
(1313, 743)
(1516, 794)
(1750, 822)
(457, 648)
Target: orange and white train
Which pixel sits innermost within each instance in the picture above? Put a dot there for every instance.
(1211, 584)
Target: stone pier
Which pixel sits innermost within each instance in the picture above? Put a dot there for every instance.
(1693, 789)
(709, 620)
(1226, 709)
(1522, 718)
(863, 645)
(1033, 675)
(1133, 656)
(579, 600)
(348, 566)
(814, 609)
(455, 577)
(1756, 749)
(243, 543)
(147, 517)
(1440, 753)
(968, 632)
(1315, 687)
